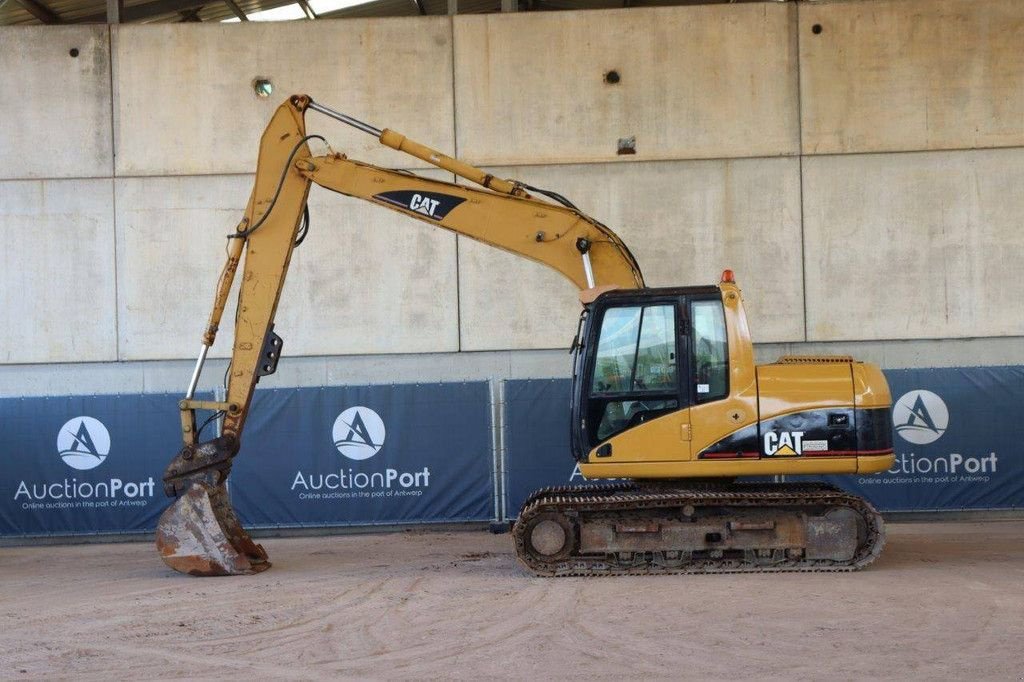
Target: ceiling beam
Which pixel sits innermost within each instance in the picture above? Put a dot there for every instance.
(306, 9)
(40, 11)
(236, 10)
(115, 10)
(146, 11)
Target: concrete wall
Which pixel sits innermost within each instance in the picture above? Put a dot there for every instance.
(55, 107)
(771, 138)
(914, 246)
(57, 277)
(171, 240)
(697, 82)
(685, 222)
(185, 103)
(904, 75)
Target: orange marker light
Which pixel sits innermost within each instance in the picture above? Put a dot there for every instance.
(727, 276)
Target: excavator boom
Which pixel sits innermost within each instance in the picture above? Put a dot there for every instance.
(199, 533)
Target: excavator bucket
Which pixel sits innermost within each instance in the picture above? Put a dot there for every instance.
(200, 535)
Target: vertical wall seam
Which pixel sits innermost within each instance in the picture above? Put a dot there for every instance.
(455, 153)
(117, 298)
(502, 452)
(113, 195)
(458, 298)
(493, 389)
(800, 169)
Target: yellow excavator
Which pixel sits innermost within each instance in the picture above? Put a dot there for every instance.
(666, 396)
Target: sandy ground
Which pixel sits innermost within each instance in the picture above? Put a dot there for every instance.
(945, 601)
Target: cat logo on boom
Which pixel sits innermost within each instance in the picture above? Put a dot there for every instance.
(424, 205)
(433, 205)
(784, 444)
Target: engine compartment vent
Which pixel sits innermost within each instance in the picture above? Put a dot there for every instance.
(814, 359)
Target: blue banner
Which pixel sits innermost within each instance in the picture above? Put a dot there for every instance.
(423, 453)
(536, 439)
(83, 465)
(957, 432)
(366, 455)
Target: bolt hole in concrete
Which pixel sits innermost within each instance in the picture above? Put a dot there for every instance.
(612, 77)
(627, 145)
(73, 52)
(816, 29)
(262, 87)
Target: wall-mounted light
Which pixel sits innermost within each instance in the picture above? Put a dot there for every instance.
(262, 87)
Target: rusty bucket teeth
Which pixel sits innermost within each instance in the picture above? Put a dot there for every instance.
(200, 535)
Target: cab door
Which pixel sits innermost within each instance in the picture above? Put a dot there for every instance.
(636, 376)
(724, 425)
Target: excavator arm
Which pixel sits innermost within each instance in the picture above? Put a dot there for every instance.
(199, 534)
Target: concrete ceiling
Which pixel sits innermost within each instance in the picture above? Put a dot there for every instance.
(29, 12)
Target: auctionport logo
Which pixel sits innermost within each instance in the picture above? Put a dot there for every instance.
(83, 443)
(920, 417)
(358, 433)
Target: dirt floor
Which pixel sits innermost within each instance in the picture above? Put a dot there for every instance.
(945, 601)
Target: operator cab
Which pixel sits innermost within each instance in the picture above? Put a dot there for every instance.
(640, 354)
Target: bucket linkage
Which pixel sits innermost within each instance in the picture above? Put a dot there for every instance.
(199, 534)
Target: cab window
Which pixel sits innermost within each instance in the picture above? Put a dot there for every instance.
(636, 351)
(710, 351)
(635, 374)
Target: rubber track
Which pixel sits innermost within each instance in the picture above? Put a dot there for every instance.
(634, 497)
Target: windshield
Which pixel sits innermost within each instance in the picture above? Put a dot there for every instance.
(636, 350)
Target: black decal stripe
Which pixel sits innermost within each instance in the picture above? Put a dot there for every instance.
(848, 453)
(743, 443)
(848, 431)
(729, 455)
(389, 200)
(403, 199)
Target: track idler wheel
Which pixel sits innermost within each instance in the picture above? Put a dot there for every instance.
(549, 537)
(200, 535)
